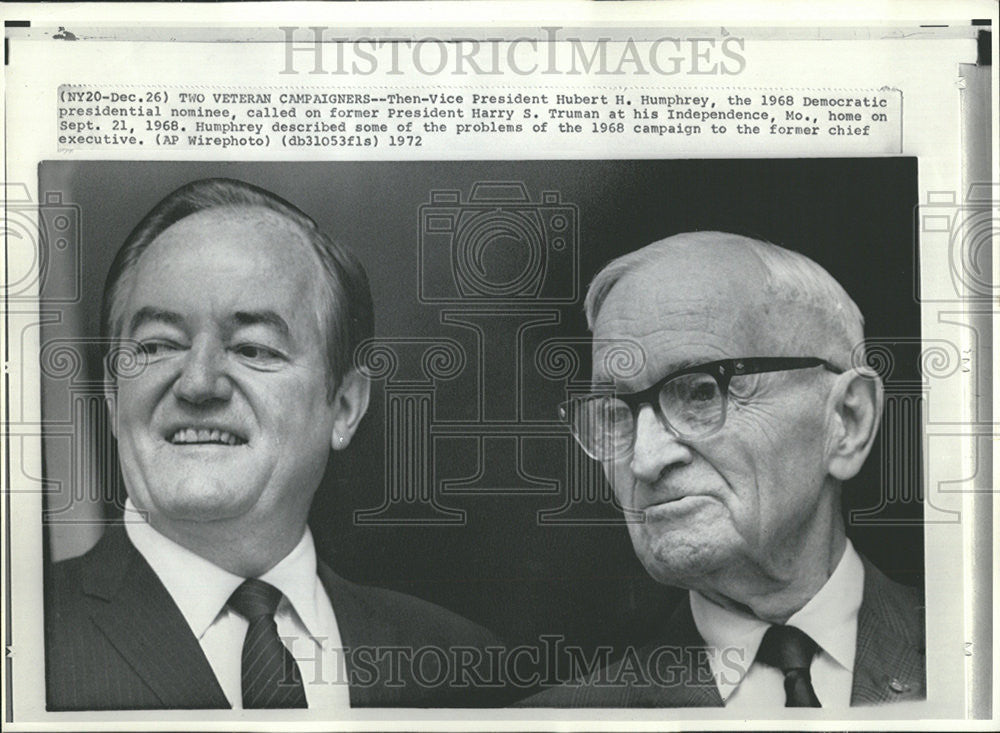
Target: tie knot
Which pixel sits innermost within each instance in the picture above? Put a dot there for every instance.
(787, 648)
(255, 598)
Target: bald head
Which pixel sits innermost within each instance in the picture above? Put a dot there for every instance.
(763, 299)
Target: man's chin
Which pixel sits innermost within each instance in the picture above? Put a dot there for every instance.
(208, 504)
(681, 564)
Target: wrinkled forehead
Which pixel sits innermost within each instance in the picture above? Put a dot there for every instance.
(682, 308)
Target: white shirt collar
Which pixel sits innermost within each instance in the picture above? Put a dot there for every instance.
(830, 618)
(201, 589)
(834, 609)
(295, 576)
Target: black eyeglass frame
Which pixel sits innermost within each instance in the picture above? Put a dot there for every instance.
(722, 370)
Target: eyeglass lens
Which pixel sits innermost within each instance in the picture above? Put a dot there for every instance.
(692, 404)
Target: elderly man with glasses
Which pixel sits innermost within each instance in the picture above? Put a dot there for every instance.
(727, 442)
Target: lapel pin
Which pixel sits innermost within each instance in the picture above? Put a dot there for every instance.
(896, 686)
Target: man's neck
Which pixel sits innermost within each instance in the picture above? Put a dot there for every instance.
(248, 552)
(776, 592)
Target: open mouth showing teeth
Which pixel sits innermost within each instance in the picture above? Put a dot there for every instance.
(189, 436)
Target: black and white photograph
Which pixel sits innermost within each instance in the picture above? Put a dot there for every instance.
(545, 366)
(545, 433)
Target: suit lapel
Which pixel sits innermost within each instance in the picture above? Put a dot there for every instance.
(351, 622)
(142, 622)
(366, 627)
(701, 690)
(350, 613)
(682, 647)
(889, 661)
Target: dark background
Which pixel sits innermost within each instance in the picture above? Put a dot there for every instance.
(500, 566)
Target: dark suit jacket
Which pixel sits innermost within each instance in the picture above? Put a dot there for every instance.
(889, 660)
(115, 640)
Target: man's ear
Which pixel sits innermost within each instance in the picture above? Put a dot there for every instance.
(111, 397)
(856, 412)
(351, 403)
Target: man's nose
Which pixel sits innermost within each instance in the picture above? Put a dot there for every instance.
(204, 376)
(656, 449)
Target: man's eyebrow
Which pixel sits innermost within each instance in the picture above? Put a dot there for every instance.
(606, 384)
(158, 315)
(681, 364)
(262, 318)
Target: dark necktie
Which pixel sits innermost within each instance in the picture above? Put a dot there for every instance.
(791, 651)
(270, 676)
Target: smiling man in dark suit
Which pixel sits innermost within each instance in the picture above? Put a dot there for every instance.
(244, 318)
(730, 409)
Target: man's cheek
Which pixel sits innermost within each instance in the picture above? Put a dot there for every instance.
(609, 473)
(622, 482)
(759, 421)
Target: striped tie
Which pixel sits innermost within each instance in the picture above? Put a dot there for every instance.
(270, 676)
